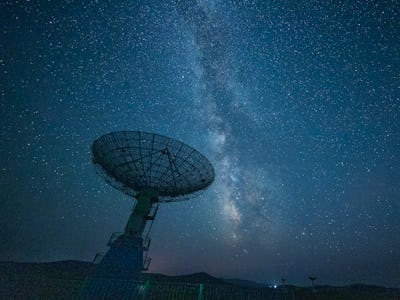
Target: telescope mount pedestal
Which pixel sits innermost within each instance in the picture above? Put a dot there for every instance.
(124, 259)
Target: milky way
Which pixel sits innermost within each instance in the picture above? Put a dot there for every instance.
(296, 104)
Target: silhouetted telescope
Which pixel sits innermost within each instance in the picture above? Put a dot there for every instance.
(153, 169)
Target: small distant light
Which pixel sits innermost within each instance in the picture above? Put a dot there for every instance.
(275, 286)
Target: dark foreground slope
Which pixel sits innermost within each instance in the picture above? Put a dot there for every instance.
(65, 280)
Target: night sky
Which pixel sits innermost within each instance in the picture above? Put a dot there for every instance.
(295, 103)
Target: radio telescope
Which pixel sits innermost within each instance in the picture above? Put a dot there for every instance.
(153, 169)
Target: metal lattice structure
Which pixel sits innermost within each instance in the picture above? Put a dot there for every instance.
(152, 168)
(133, 160)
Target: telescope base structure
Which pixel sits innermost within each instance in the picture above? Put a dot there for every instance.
(124, 260)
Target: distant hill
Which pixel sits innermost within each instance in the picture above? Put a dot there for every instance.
(245, 283)
(73, 269)
(59, 269)
(191, 278)
(65, 279)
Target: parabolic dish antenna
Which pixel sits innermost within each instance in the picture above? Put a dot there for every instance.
(133, 161)
(152, 168)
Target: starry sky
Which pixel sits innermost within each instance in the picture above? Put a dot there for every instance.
(295, 103)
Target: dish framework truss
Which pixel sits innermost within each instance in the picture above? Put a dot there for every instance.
(132, 161)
